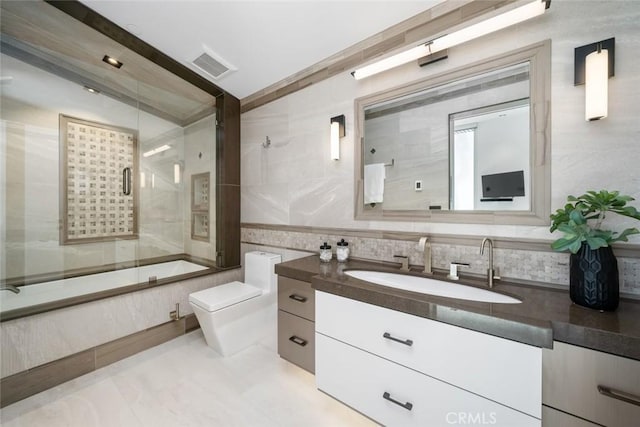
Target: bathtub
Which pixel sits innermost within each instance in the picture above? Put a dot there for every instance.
(40, 297)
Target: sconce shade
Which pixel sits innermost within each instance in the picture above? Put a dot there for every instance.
(596, 85)
(337, 131)
(594, 64)
(176, 173)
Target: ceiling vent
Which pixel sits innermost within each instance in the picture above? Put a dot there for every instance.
(213, 64)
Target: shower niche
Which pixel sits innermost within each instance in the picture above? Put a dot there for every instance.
(98, 164)
(200, 206)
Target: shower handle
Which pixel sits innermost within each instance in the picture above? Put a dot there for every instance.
(126, 181)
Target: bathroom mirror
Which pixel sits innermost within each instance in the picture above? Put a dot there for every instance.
(470, 145)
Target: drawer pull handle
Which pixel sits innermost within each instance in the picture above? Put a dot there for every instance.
(297, 340)
(619, 395)
(298, 298)
(408, 406)
(388, 336)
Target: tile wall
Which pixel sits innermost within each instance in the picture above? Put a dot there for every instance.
(543, 267)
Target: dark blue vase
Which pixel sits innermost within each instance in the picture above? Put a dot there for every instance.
(593, 278)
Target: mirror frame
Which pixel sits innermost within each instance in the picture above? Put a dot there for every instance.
(539, 56)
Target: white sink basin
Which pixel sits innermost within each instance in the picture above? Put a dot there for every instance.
(428, 286)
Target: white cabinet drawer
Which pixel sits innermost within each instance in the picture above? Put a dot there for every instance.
(499, 369)
(371, 384)
(571, 376)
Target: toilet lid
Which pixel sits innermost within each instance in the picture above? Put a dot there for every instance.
(222, 296)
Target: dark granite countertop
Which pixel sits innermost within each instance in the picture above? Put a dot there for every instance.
(544, 315)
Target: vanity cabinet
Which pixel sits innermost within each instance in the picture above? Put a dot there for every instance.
(592, 385)
(401, 369)
(296, 327)
(554, 418)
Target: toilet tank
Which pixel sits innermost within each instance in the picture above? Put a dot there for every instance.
(259, 270)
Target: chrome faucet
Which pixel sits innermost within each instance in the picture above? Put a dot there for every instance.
(404, 262)
(491, 274)
(11, 288)
(453, 270)
(426, 248)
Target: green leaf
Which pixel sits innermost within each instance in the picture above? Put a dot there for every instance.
(575, 247)
(576, 216)
(623, 236)
(569, 229)
(602, 234)
(630, 211)
(563, 244)
(596, 242)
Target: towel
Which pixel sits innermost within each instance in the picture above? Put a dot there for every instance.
(374, 176)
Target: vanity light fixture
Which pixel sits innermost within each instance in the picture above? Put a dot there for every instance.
(143, 180)
(156, 150)
(593, 65)
(427, 50)
(337, 132)
(112, 61)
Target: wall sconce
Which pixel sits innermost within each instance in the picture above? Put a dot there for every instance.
(337, 132)
(440, 44)
(177, 174)
(593, 65)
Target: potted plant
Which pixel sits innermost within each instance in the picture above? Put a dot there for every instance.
(593, 267)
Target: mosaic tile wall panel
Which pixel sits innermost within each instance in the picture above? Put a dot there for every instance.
(543, 267)
(97, 162)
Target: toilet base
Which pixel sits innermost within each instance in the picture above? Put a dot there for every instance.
(235, 328)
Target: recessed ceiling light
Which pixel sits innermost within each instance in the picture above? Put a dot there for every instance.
(92, 90)
(112, 61)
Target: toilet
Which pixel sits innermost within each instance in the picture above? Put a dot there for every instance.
(235, 315)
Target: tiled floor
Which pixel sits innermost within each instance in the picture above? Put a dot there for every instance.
(185, 383)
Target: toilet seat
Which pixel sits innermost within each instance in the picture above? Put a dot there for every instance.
(219, 297)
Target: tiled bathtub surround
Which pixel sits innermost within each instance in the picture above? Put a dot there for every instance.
(35, 340)
(542, 266)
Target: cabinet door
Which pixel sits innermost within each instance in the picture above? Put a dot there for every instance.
(571, 379)
(554, 418)
(296, 340)
(396, 396)
(499, 369)
(296, 297)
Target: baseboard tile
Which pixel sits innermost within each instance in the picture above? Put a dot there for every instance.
(35, 380)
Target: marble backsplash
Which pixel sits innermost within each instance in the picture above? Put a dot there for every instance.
(544, 267)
